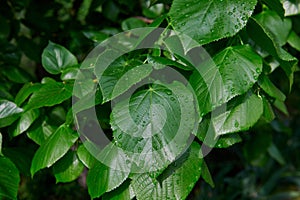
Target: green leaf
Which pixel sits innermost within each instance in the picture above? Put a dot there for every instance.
(21, 157)
(207, 134)
(280, 28)
(232, 72)
(154, 122)
(266, 84)
(9, 179)
(56, 58)
(268, 114)
(53, 149)
(104, 177)
(69, 74)
(40, 131)
(266, 41)
(120, 76)
(68, 168)
(24, 122)
(294, 40)
(95, 36)
(275, 153)
(207, 21)
(281, 106)
(239, 118)
(205, 174)
(132, 23)
(176, 182)
(120, 193)
(16, 74)
(276, 6)
(85, 156)
(291, 7)
(50, 94)
(9, 112)
(26, 91)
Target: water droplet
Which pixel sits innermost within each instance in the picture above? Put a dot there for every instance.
(120, 136)
(255, 77)
(236, 26)
(140, 149)
(135, 129)
(92, 65)
(230, 13)
(257, 70)
(127, 162)
(186, 15)
(245, 83)
(232, 90)
(244, 18)
(172, 99)
(183, 24)
(169, 92)
(236, 124)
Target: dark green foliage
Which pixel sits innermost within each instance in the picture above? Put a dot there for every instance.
(243, 104)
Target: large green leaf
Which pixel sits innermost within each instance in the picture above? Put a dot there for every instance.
(56, 58)
(154, 124)
(104, 177)
(9, 179)
(24, 122)
(53, 149)
(207, 21)
(50, 94)
(280, 28)
(232, 72)
(239, 117)
(68, 168)
(9, 112)
(176, 182)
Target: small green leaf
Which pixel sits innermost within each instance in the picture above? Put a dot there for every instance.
(281, 106)
(68, 168)
(95, 36)
(132, 23)
(266, 84)
(207, 21)
(268, 114)
(176, 182)
(53, 149)
(275, 153)
(50, 94)
(56, 58)
(26, 91)
(294, 40)
(85, 156)
(9, 112)
(240, 117)
(205, 174)
(24, 122)
(266, 40)
(9, 179)
(232, 72)
(40, 131)
(16, 74)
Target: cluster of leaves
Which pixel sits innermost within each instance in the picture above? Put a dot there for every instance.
(252, 43)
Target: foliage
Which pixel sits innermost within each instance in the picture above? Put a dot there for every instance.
(237, 100)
